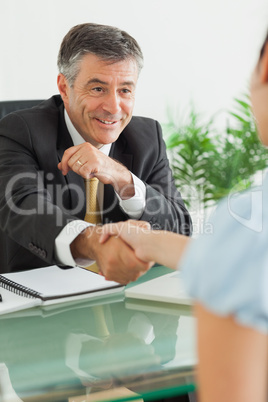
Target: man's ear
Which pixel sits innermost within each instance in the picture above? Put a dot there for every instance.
(63, 87)
(264, 65)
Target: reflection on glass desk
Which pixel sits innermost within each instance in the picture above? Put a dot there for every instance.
(109, 348)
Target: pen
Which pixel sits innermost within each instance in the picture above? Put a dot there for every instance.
(1, 298)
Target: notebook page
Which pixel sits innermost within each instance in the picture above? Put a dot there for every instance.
(56, 282)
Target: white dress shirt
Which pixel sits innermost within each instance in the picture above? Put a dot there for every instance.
(133, 207)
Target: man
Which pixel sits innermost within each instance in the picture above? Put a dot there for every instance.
(47, 152)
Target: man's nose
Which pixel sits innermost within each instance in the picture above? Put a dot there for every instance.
(112, 103)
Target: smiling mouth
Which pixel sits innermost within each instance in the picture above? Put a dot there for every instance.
(109, 123)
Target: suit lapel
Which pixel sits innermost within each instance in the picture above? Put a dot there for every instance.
(74, 196)
(120, 152)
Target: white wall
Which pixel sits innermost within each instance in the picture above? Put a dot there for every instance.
(202, 50)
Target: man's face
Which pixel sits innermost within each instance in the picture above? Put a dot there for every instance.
(100, 102)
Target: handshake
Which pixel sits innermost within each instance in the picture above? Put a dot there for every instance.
(124, 251)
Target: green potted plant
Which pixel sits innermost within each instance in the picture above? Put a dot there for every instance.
(209, 162)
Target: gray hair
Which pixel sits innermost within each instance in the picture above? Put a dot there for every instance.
(106, 42)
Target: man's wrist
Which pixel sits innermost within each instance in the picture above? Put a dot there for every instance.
(123, 182)
(127, 188)
(65, 238)
(134, 206)
(82, 248)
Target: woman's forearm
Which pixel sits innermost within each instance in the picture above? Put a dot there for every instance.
(165, 248)
(232, 359)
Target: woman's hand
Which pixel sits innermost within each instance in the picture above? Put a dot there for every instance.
(135, 233)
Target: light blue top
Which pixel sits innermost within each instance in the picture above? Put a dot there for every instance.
(227, 271)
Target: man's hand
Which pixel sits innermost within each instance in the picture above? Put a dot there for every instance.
(134, 233)
(87, 161)
(116, 260)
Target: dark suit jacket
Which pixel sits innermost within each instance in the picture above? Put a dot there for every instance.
(37, 201)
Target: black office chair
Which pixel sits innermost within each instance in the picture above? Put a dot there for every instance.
(13, 105)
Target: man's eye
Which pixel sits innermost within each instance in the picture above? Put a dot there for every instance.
(97, 89)
(125, 91)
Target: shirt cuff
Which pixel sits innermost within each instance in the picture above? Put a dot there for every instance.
(134, 206)
(65, 238)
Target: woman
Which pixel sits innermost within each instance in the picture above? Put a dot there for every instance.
(227, 275)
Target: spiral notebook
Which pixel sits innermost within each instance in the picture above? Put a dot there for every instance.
(51, 285)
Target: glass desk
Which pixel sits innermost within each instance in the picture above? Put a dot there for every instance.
(108, 348)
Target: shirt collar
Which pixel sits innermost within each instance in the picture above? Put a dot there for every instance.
(77, 138)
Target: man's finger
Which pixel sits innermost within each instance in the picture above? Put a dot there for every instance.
(66, 157)
(142, 224)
